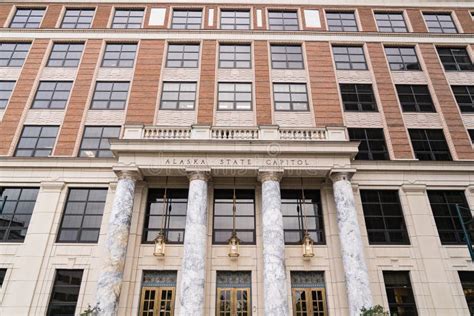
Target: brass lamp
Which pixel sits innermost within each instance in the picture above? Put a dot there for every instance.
(160, 240)
(308, 242)
(234, 241)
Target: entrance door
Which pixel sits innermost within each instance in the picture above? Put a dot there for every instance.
(309, 302)
(157, 301)
(233, 302)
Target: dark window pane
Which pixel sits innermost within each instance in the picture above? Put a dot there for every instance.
(65, 292)
(429, 144)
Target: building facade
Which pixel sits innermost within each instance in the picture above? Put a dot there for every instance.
(345, 124)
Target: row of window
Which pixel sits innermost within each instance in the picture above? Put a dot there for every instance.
(278, 20)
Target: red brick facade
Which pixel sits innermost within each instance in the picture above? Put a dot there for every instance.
(207, 83)
(262, 83)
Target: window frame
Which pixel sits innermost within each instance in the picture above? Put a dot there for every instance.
(394, 287)
(290, 94)
(110, 100)
(235, 61)
(178, 101)
(186, 24)
(356, 87)
(388, 14)
(6, 93)
(413, 94)
(78, 17)
(402, 56)
(440, 27)
(287, 56)
(64, 60)
(183, 60)
(350, 62)
(235, 26)
(35, 148)
(284, 26)
(101, 138)
(468, 288)
(342, 26)
(11, 58)
(235, 92)
(53, 97)
(468, 92)
(118, 60)
(460, 66)
(113, 24)
(367, 140)
(429, 141)
(25, 25)
(69, 286)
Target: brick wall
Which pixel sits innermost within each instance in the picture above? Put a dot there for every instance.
(102, 16)
(367, 20)
(5, 10)
(465, 19)
(416, 20)
(207, 82)
(51, 16)
(262, 83)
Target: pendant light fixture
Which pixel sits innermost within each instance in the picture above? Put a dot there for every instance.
(234, 241)
(308, 242)
(160, 240)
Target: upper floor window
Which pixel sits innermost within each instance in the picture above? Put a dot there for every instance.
(429, 144)
(36, 141)
(235, 56)
(464, 97)
(119, 55)
(467, 283)
(3, 272)
(455, 58)
(110, 95)
(290, 97)
(372, 143)
(65, 55)
(52, 95)
(78, 18)
(349, 57)
(235, 19)
(13, 54)
(402, 58)
(65, 293)
(95, 141)
(182, 56)
(391, 22)
(440, 23)
(127, 19)
(287, 56)
(234, 96)
(186, 19)
(358, 97)
(341, 21)
(178, 96)
(399, 293)
(27, 18)
(6, 88)
(283, 20)
(415, 98)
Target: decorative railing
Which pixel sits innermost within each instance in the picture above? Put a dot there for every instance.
(158, 132)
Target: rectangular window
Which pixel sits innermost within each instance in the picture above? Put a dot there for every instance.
(415, 98)
(283, 20)
(402, 58)
(372, 143)
(13, 54)
(467, 283)
(235, 56)
(358, 97)
(235, 20)
(341, 21)
(167, 214)
(290, 97)
(384, 217)
(65, 55)
(349, 57)
(455, 59)
(52, 95)
(443, 204)
(36, 141)
(178, 96)
(299, 215)
(440, 23)
(429, 144)
(244, 216)
(82, 216)
(471, 135)
(399, 293)
(17, 209)
(186, 19)
(119, 55)
(464, 97)
(27, 18)
(6, 88)
(308, 291)
(391, 22)
(95, 141)
(287, 56)
(3, 272)
(183, 56)
(78, 18)
(110, 95)
(127, 19)
(65, 293)
(234, 96)
(158, 293)
(233, 293)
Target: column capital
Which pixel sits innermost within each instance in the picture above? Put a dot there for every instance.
(204, 175)
(341, 174)
(52, 185)
(131, 172)
(270, 176)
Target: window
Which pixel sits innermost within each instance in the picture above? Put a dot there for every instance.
(391, 22)
(402, 58)
(65, 55)
(110, 95)
(174, 210)
(186, 19)
(233, 293)
(244, 217)
(372, 143)
(52, 95)
(36, 141)
(178, 96)
(399, 293)
(78, 18)
(471, 135)
(308, 291)
(234, 56)
(467, 283)
(16, 214)
(158, 293)
(464, 97)
(82, 216)
(65, 293)
(384, 217)
(440, 23)
(13, 54)
(358, 97)
(443, 205)
(27, 18)
(6, 88)
(415, 98)
(283, 20)
(234, 96)
(287, 56)
(235, 20)
(429, 144)
(349, 58)
(127, 19)
(3, 272)
(119, 55)
(95, 141)
(290, 97)
(341, 21)
(455, 59)
(183, 56)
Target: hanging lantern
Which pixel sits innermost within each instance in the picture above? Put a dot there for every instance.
(307, 246)
(160, 245)
(234, 244)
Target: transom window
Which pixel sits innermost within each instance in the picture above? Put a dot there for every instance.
(415, 98)
(234, 96)
(358, 97)
(233, 293)
(399, 293)
(178, 96)
(52, 95)
(402, 58)
(391, 22)
(308, 291)
(341, 21)
(110, 95)
(127, 19)
(235, 56)
(6, 88)
(290, 97)
(440, 23)
(119, 55)
(65, 55)
(287, 56)
(16, 214)
(13, 54)
(27, 18)
(78, 18)
(372, 143)
(455, 59)
(36, 141)
(283, 20)
(183, 56)
(429, 144)
(349, 57)
(186, 19)
(467, 283)
(95, 141)
(235, 19)
(158, 293)
(464, 97)
(65, 293)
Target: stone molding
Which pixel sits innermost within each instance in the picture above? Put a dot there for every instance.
(52, 185)
(414, 188)
(264, 176)
(128, 172)
(198, 175)
(339, 175)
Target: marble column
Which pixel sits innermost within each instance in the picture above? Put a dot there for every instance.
(355, 267)
(110, 278)
(193, 273)
(274, 270)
